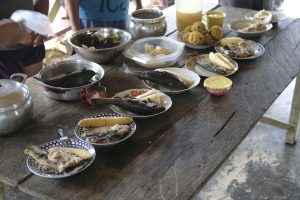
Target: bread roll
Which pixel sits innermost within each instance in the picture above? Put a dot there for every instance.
(220, 60)
(104, 121)
(230, 40)
(226, 60)
(150, 92)
(183, 77)
(83, 154)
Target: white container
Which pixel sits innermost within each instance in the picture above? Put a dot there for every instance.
(137, 52)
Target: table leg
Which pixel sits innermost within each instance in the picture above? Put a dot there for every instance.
(2, 191)
(294, 115)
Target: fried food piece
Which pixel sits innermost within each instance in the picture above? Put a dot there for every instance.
(199, 26)
(196, 38)
(185, 37)
(216, 32)
(255, 27)
(208, 39)
(187, 29)
(191, 62)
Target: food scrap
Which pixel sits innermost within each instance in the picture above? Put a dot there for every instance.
(254, 27)
(237, 47)
(94, 40)
(264, 16)
(155, 50)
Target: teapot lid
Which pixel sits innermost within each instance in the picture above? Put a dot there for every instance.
(12, 93)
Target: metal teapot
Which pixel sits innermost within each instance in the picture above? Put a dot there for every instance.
(16, 106)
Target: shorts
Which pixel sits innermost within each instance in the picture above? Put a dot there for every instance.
(13, 61)
(121, 24)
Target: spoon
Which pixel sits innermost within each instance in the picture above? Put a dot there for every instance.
(61, 134)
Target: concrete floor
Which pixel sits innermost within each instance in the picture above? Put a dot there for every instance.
(262, 166)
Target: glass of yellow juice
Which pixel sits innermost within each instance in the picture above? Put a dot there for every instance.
(184, 19)
(188, 12)
(215, 18)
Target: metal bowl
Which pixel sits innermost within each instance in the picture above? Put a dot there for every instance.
(65, 67)
(148, 23)
(100, 55)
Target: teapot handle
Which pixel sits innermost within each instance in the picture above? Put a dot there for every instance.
(22, 77)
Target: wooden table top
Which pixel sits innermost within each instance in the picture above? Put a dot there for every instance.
(172, 155)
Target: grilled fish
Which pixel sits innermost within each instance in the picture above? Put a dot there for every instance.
(162, 78)
(69, 80)
(133, 105)
(40, 156)
(212, 67)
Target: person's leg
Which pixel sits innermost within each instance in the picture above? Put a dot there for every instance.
(238, 3)
(263, 4)
(33, 58)
(23, 60)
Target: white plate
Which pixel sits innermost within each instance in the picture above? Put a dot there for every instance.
(196, 46)
(258, 51)
(188, 73)
(62, 142)
(276, 17)
(79, 131)
(200, 46)
(207, 73)
(165, 99)
(237, 26)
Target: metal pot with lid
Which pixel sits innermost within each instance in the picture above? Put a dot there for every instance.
(16, 106)
(148, 23)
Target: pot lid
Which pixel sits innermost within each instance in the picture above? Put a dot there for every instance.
(12, 92)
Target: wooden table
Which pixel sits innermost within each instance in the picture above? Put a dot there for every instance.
(172, 155)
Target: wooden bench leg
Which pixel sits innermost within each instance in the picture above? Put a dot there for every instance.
(293, 127)
(2, 191)
(294, 115)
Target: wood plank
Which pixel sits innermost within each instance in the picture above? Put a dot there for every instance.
(182, 152)
(166, 149)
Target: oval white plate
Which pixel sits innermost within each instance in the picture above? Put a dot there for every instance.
(276, 17)
(79, 131)
(195, 46)
(188, 73)
(259, 50)
(207, 73)
(237, 26)
(165, 99)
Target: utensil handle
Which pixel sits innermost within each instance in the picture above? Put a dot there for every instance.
(61, 134)
(19, 75)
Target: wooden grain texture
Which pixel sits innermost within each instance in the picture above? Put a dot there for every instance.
(172, 155)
